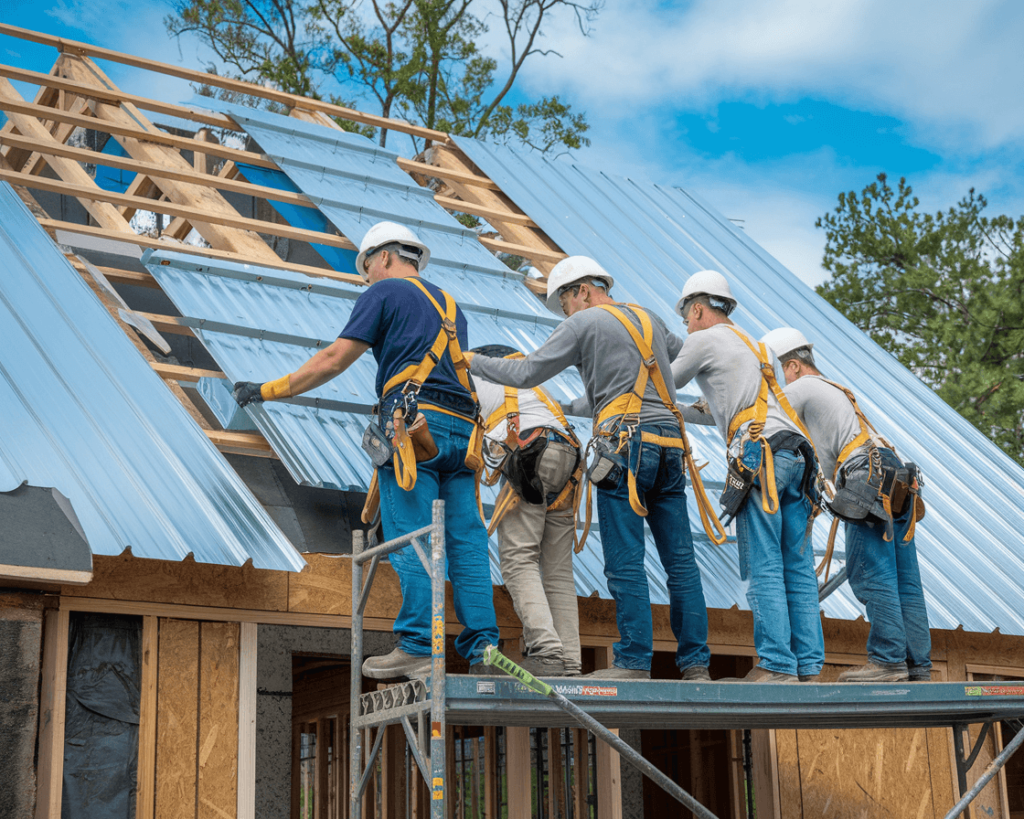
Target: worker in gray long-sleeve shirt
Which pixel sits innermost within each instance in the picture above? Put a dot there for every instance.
(594, 339)
(883, 573)
(775, 553)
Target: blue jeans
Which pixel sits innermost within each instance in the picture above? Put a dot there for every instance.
(777, 559)
(885, 577)
(661, 487)
(445, 477)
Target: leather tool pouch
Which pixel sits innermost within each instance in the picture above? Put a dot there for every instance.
(376, 445)
(854, 501)
(423, 445)
(606, 466)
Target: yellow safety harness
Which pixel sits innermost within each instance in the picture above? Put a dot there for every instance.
(508, 498)
(412, 378)
(757, 414)
(629, 406)
(870, 436)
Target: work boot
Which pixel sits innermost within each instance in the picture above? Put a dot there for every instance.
(543, 666)
(918, 673)
(481, 669)
(876, 672)
(617, 673)
(763, 675)
(397, 666)
(809, 677)
(696, 673)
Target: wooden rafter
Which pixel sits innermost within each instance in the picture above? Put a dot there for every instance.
(187, 178)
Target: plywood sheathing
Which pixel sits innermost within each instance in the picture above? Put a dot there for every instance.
(177, 718)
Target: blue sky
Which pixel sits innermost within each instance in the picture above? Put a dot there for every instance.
(766, 109)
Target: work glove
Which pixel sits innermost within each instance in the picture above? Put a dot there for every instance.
(248, 392)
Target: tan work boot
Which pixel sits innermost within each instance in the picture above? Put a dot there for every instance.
(696, 673)
(876, 672)
(397, 666)
(763, 675)
(616, 673)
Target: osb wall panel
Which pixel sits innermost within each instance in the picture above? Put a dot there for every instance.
(177, 718)
(196, 584)
(218, 720)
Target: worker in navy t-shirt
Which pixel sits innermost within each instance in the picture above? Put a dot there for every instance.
(398, 321)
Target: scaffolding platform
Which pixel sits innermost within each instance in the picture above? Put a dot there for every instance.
(423, 708)
(669, 704)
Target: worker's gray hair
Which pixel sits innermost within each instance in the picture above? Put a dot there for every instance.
(411, 254)
(804, 354)
(716, 303)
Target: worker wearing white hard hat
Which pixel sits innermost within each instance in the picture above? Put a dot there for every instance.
(881, 558)
(428, 416)
(771, 477)
(597, 337)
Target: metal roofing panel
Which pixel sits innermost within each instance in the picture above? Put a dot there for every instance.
(652, 237)
(356, 184)
(83, 412)
(259, 323)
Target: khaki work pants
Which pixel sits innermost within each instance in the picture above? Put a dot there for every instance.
(535, 547)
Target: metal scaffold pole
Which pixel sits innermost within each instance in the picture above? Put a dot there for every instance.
(408, 701)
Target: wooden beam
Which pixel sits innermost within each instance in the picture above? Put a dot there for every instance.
(52, 703)
(523, 241)
(145, 793)
(70, 172)
(609, 764)
(147, 242)
(239, 440)
(289, 100)
(196, 214)
(117, 97)
(505, 217)
(176, 372)
(130, 129)
(414, 166)
(247, 722)
(518, 769)
(117, 275)
(167, 324)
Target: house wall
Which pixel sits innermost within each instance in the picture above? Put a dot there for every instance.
(194, 671)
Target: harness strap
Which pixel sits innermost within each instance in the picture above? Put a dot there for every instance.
(868, 433)
(415, 375)
(630, 405)
(757, 415)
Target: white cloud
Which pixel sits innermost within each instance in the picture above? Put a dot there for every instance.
(952, 70)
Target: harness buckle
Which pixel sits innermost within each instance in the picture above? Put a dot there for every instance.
(448, 326)
(650, 362)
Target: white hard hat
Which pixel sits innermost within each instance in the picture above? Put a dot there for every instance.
(384, 233)
(785, 340)
(706, 283)
(570, 270)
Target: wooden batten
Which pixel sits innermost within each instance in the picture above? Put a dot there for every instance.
(145, 803)
(52, 696)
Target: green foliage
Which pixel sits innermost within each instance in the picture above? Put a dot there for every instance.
(418, 60)
(944, 293)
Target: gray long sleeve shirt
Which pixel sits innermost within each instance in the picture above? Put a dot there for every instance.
(596, 343)
(729, 377)
(829, 417)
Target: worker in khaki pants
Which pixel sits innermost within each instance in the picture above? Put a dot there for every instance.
(535, 517)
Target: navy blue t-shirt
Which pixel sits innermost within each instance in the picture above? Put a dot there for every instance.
(400, 324)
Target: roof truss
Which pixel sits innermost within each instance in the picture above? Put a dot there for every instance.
(187, 178)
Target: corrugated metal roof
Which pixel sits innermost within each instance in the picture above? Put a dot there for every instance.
(652, 237)
(83, 412)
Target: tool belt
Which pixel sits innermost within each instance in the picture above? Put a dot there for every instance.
(401, 425)
(622, 416)
(752, 465)
(877, 491)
